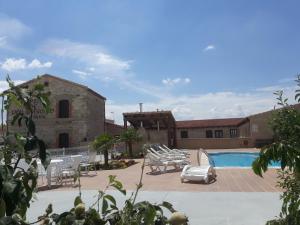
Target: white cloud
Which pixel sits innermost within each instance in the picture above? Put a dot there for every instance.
(4, 84)
(207, 106)
(101, 65)
(81, 74)
(209, 48)
(178, 80)
(37, 64)
(95, 57)
(187, 80)
(13, 64)
(274, 88)
(12, 28)
(11, 31)
(3, 41)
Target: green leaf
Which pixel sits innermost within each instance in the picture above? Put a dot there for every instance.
(30, 144)
(111, 178)
(77, 201)
(20, 121)
(104, 206)
(168, 206)
(256, 167)
(31, 127)
(149, 215)
(63, 215)
(2, 207)
(111, 199)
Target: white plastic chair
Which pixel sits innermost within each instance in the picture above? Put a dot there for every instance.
(90, 163)
(69, 173)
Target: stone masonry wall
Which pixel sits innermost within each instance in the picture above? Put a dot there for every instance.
(81, 112)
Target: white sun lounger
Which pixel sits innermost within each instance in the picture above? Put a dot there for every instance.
(168, 155)
(155, 162)
(176, 150)
(204, 171)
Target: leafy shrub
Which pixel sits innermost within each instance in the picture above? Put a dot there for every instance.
(285, 124)
(117, 164)
(105, 211)
(16, 184)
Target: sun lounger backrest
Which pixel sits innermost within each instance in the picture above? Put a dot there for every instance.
(203, 158)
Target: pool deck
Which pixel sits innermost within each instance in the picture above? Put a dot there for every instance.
(228, 179)
(237, 197)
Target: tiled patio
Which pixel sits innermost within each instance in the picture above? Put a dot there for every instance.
(228, 180)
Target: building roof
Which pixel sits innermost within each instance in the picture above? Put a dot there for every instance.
(211, 123)
(166, 112)
(66, 81)
(150, 119)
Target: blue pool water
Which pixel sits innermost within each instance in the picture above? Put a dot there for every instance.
(236, 159)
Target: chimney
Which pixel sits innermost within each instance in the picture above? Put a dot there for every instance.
(141, 107)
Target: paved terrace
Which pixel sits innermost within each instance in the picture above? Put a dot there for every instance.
(228, 180)
(238, 197)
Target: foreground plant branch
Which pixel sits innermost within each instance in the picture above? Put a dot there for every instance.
(285, 123)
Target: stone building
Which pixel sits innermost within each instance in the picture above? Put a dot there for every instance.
(251, 131)
(77, 113)
(213, 133)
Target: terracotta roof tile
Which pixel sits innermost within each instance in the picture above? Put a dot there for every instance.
(210, 123)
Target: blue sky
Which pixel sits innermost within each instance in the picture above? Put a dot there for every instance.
(200, 59)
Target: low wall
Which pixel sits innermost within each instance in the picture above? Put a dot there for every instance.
(214, 143)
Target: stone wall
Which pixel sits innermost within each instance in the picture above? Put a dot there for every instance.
(201, 132)
(86, 117)
(214, 143)
(96, 116)
(114, 129)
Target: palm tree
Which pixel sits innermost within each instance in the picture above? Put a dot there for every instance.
(130, 136)
(103, 143)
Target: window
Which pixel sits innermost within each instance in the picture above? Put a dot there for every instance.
(63, 140)
(233, 133)
(63, 109)
(209, 134)
(184, 134)
(218, 133)
(254, 128)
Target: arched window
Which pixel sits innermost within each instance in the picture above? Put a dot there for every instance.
(63, 140)
(63, 109)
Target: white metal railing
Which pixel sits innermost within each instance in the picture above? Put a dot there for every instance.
(80, 150)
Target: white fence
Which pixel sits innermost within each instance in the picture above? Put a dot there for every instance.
(81, 150)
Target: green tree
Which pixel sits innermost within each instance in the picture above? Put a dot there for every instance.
(130, 136)
(285, 123)
(104, 143)
(17, 185)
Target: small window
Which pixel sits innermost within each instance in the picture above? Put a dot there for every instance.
(184, 134)
(63, 109)
(46, 83)
(209, 134)
(254, 128)
(233, 133)
(218, 133)
(63, 140)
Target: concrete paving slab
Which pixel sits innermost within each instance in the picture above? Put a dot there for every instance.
(207, 208)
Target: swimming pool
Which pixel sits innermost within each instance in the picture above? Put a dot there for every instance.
(236, 159)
